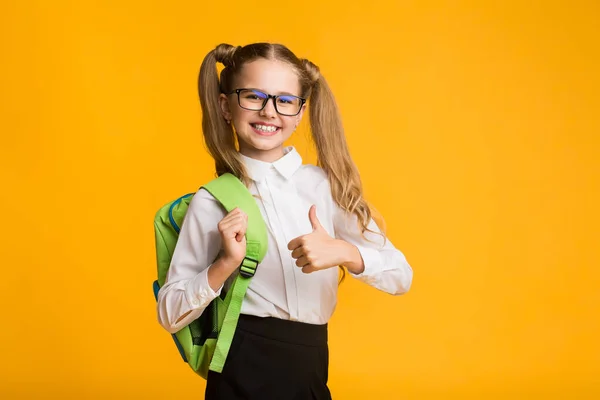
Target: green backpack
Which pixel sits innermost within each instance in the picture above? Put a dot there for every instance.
(205, 342)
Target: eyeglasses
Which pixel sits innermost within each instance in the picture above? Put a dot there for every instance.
(255, 100)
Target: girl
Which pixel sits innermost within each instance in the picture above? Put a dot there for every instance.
(317, 220)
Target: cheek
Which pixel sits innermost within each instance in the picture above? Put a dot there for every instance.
(237, 112)
(289, 129)
(289, 123)
(241, 116)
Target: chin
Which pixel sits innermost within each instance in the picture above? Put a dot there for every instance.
(264, 140)
(272, 145)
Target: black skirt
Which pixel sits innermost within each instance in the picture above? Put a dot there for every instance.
(273, 359)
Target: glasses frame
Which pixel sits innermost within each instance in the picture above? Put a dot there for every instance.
(269, 97)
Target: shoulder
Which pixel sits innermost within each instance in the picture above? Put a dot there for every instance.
(314, 183)
(203, 213)
(313, 176)
(203, 202)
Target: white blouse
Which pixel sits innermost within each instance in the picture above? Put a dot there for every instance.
(286, 189)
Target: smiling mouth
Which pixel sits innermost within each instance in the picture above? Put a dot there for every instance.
(265, 130)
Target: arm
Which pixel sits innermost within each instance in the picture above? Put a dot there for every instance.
(194, 278)
(370, 260)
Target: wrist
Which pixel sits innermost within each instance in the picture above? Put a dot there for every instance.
(219, 271)
(227, 264)
(352, 258)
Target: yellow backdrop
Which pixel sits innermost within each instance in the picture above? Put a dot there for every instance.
(475, 127)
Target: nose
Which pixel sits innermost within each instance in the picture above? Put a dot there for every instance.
(269, 109)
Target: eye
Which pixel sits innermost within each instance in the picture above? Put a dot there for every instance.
(287, 100)
(254, 95)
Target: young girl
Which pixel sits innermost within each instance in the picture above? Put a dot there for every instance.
(317, 220)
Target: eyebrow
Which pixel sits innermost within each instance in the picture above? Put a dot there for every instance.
(278, 94)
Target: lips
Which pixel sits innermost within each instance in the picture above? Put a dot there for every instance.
(265, 129)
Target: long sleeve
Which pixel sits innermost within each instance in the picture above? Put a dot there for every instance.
(186, 291)
(386, 267)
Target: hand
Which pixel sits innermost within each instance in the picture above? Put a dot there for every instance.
(317, 250)
(233, 237)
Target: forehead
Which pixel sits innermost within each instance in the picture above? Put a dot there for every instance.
(272, 76)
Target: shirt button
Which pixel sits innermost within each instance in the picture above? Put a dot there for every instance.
(195, 302)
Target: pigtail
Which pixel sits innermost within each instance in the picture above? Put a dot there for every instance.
(218, 134)
(333, 154)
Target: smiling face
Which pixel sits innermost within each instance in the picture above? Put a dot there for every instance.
(261, 134)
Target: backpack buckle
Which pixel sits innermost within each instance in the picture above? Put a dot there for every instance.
(248, 267)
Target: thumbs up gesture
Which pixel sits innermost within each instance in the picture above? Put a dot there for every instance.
(317, 250)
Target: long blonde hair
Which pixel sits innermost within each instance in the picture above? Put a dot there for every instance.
(326, 126)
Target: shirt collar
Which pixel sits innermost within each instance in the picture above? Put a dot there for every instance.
(286, 165)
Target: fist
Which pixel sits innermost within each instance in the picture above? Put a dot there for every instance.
(316, 250)
(232, 229)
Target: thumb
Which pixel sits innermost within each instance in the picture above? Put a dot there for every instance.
(312, 216)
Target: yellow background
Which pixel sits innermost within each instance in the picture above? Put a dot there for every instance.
(475, 126)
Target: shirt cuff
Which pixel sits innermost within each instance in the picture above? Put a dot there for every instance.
(372, 261)
(198, 292)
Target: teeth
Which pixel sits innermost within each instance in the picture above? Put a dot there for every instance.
(265, 128)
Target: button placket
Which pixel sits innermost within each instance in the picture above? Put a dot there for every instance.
(270, 186)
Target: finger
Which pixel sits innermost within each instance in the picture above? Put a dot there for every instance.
(227, 223)
(236, 212)
(234, 231)
(241, 233)
(295, 243)
(237, 231)
(302, 262)
(312, 216)
(298, 252)
(307, 269)
(240, 237)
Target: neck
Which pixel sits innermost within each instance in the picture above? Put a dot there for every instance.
(263, 155)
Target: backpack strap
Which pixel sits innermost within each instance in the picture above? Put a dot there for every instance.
(231, 193)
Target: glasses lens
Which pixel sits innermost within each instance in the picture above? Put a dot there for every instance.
(288, 105)
(252, 99)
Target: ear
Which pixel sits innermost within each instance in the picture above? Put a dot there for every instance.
(225, 109)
